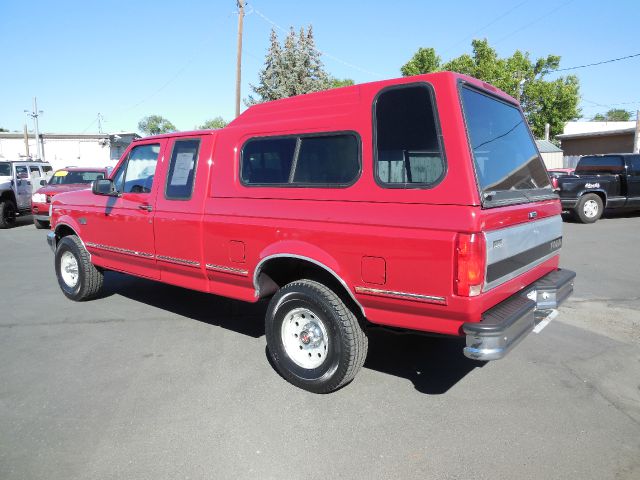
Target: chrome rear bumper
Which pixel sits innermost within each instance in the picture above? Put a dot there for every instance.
(505, 325)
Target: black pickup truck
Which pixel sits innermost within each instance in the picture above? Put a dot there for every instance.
(599, 182)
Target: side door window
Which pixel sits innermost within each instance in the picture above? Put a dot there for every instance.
(634, 164)
(23, 186)
(34, 173)
(634, 179)
(136, 174)
(182, 168)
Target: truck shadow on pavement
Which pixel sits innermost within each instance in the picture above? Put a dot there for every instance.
(433, 364)
(234, 315)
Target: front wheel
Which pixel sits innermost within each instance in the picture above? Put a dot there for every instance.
(78, 278)
(313, 338)
(7, 213)
(589, 208)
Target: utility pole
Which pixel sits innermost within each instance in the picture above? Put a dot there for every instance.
(35, 114)
(100, 119)
(239, 59)
(26, 139)
(636, 137)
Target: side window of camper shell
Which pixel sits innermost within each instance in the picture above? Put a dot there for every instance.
(328, 159)
(408, 147)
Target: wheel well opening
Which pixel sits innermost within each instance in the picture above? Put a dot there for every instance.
(63, 231)
(278, 272)
(8, 195)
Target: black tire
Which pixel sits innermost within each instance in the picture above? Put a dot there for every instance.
(589, 208)
(344, 351)
(89, 279)
(40, 224)
(7, 214)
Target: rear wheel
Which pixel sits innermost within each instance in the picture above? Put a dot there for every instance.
(313, 338)
(7, 213)
(78, 278)
(40, 224)
(589, 208)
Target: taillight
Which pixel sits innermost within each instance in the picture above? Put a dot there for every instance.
(554, 182)
(470, 264)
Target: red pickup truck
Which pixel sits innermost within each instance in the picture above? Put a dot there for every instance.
(419, 203)
(64, 180)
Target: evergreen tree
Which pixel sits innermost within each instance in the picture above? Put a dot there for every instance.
(293, 68)
(269, 85)
(315, 78)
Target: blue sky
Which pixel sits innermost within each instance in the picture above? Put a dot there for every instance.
(128, 59)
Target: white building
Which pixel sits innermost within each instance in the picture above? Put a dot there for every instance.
(68, 149)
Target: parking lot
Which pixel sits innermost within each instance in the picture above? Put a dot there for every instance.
(153, 381)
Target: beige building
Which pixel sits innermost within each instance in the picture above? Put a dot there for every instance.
(588, 138)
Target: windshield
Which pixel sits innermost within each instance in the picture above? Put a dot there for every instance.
(504, 153)
(610, 164)
(5, 169)
(66, 177)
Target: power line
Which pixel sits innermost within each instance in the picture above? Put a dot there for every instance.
(598, 63)
(527, 25)
(492, 22)
(321, 52)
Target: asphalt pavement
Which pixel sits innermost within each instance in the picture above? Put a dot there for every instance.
(156, 382)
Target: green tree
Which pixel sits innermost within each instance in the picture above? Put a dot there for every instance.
(155, 124)
(3, 129)
(425, 60)
(293, 68)
(613, 115)
(543, 101)
(340, 82)
(213, 123)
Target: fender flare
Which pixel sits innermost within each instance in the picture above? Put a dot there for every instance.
(306, 252)
(69, 222)
(596, 191)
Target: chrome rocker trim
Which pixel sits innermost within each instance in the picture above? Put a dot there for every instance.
(404, 295)
(224, 269)
(179, 261)
(120, 250)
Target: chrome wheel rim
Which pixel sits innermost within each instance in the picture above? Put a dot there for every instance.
(304, 337)
(69, 269)
(590, 208)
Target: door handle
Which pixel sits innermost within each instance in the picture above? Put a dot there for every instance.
(146, 207)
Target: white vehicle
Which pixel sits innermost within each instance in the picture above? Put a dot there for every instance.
(18, 181)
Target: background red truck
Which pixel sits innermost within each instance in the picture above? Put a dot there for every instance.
(64, 180)
(420, 203)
